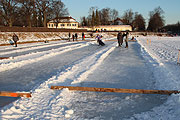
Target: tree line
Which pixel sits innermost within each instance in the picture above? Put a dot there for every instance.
(172, 29)
(107, 16)
(36, 13)
(30, 13)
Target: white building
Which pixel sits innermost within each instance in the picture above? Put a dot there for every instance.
(71, 23)
(63, 22)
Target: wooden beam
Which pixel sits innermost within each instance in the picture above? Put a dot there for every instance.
(4, 58)
(14, 94)
(141, 91)
(178, 62)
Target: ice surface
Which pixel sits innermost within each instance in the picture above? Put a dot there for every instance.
(141, 66)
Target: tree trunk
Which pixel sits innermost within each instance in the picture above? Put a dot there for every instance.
(10, 22)
(44, 19)
(29, 21)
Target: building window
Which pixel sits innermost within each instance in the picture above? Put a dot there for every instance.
(51, 25)
(68, 24)
(62, 24)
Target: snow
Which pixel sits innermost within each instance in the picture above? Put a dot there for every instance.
(142, 66)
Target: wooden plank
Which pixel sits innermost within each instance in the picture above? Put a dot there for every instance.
(14, 94)
(141, 91)
(178, 57)
(4, 58)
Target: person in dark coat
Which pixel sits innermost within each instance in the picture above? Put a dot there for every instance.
(73, 37)
(120, 39)
(76, 36)
(69, 36)
(15, 39)
(83, 36)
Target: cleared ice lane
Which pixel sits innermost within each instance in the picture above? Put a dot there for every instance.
(32, 49)
(123, 68)
(31, 75)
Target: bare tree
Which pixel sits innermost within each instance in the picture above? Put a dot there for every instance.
(27, 7)
(45, 9)
(9, 11)
(114, 14)
(128, 17)
(59, 10)
(1, 16)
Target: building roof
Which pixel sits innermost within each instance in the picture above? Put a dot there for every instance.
(118, 19)
(114, 26)
(68, 19)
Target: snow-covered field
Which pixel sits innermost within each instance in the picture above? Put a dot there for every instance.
(35, 67)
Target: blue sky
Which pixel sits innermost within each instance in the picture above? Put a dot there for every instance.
(79, 8)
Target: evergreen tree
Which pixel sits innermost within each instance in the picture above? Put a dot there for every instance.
(156, 20)
(105, 16)
(84, 21)
(97, 20)
(139, 22)
(93, 19)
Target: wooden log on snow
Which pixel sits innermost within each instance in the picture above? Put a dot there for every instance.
(4, 58)
(178, 62)
(14, 94)
(141, 91)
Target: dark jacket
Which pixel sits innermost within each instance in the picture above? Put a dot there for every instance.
(15, 38)
(120, 37)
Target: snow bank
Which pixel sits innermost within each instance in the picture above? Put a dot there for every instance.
(163, 53)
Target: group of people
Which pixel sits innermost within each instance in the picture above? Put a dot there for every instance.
(120, 37)
(75, 36)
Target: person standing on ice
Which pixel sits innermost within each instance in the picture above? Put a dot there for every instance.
(73, 37)
(69, 36)
(120, 39)
(126, 39)
(76, 36)
(15, 39)
(83, 37)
